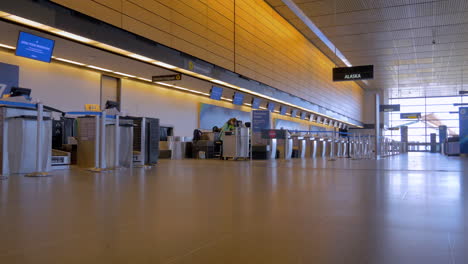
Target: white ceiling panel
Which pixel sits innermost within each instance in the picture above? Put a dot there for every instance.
(418, 47)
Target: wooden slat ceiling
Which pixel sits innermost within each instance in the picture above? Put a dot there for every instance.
(397, 37)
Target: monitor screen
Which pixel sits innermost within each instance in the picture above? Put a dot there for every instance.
(256, 103)
(238, 98)
(271, 106)
(216, 93)
(303, 115)
(283, 110)
(34, 47)
(294, 113)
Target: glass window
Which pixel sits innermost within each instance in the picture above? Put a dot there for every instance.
(435, 111)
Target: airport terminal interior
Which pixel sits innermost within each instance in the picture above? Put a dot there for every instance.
(233, 131)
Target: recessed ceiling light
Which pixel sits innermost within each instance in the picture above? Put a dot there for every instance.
(70, 61)
(73, 36)
(98, 68)
(165, 65)
(139, 57)
(7, 46)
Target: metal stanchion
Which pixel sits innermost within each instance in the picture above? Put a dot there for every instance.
(96, 145)
(40, 171)
(102, 156)
(332, 147)
(117, 143)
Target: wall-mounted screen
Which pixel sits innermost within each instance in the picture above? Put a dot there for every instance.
(34, 47)
(216, 93)
(256, 103)
(238, 98)
(303, 115)
(271, 106)
(294, 113)
(283, 110)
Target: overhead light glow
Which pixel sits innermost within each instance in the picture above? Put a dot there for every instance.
(124, 74)
(139, 57)
(164, 65)
(73, 36)
(159, 63)
(69, 61)
(25, 21)
(98, 68)
(165, 84)
(7, 46)
(144, 79)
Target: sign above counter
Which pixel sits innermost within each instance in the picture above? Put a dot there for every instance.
(355, 73)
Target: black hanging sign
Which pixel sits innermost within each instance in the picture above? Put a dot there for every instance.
(390, 108)
(355, 73)
(410, 116)
(165, 78)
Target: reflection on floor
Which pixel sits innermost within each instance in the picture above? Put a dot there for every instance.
(406, 209)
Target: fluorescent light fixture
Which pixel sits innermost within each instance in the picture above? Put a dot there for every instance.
(124, 74)
(227, 99)
(73, 36)
(306, 20)
(139, 57)
(144, 79)
(98, 68)
(69, 61)
(7, 46)
(165, 84)
(26, 21)
(248, 104)
(110, 48)
(165, 65)
(264, 108)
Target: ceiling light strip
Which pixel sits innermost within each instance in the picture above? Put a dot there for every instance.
(159, 63)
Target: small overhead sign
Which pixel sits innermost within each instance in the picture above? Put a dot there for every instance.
(165, 78)
(410, 115)
(390, 108)
(355, 73)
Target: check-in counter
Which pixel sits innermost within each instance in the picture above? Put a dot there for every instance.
(123, 144)
(300, 144)
(311, 146)
(18, 138)
(341, 147)
(285, 147)
(328, 147)
(321, 147)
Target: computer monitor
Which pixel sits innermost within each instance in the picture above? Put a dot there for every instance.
(112, 104)
(18, 91)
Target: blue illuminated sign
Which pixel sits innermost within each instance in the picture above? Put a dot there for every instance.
(238, 98)
(463, 130)
(216, 93)
(260, 120)
(283, 110)
(256, 103)
(294, 113)
(271, 106)
(34, 47)
(303, 115)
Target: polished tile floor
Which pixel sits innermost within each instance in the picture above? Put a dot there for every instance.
(405, 209)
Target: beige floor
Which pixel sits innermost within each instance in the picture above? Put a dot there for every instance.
(398, 210)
